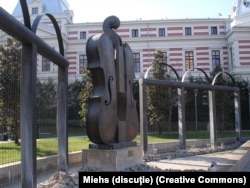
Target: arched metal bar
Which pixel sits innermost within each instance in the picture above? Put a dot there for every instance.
(17, 30)
(57, 29)
(26, 15)
(218, 74)
(61, 105)
(184, 75)
(207, 77)
(172, 68)
(148, 70)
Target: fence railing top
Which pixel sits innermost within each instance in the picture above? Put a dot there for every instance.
(187, 85)
(14, 28)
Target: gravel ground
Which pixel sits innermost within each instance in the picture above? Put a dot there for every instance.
(70, 180)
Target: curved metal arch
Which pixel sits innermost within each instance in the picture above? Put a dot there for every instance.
(26, 15)
(172, 68)
(147, 72)
(218, 74)
(207, 77)
(57, 29)
(184, 75)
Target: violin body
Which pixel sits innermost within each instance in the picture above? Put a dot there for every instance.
(126, 104)
(112, 115)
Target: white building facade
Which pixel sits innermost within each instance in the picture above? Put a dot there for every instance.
(188, 43)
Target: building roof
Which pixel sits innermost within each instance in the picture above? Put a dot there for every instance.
(50, 6)
(241, 7)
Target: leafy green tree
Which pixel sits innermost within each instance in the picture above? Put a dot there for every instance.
(158, 97)
(45, 103)
(74, 90)
(244, 97)
(46, 99)
(84, 95)
(10, 65)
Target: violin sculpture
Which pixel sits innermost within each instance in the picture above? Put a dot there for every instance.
(112, 115)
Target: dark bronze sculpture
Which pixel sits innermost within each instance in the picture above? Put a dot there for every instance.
(112, 116)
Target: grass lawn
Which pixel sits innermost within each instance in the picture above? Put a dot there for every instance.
(9, 152)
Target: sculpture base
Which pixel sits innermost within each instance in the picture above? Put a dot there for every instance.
(112, 146)
(114, 160)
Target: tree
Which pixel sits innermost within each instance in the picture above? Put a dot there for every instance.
(244, 97)
(74, 90)
(45, 103)
(10, 65)
(46, 99)
(158, 97)
(84, 95)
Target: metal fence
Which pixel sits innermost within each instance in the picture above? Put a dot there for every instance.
(45, 122)
(185, 113)
(31, 46)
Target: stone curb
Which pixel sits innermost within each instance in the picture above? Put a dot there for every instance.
(241, 156)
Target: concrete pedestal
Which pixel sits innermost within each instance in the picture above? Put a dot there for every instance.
(100, 160)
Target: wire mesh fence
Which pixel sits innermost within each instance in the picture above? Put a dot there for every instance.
(197, 111)
(197, 122)
(10, 142)
(165, 116)
(9, 107)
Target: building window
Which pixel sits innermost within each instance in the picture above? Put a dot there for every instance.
(215, 59)
(34, 11)
(214, 31)
(45, 64)
(82, 63)
(137, 62)
(188, 31)
(83, 35)
(161, 32)
(134, 32)
(189, 60)
(231, 56)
